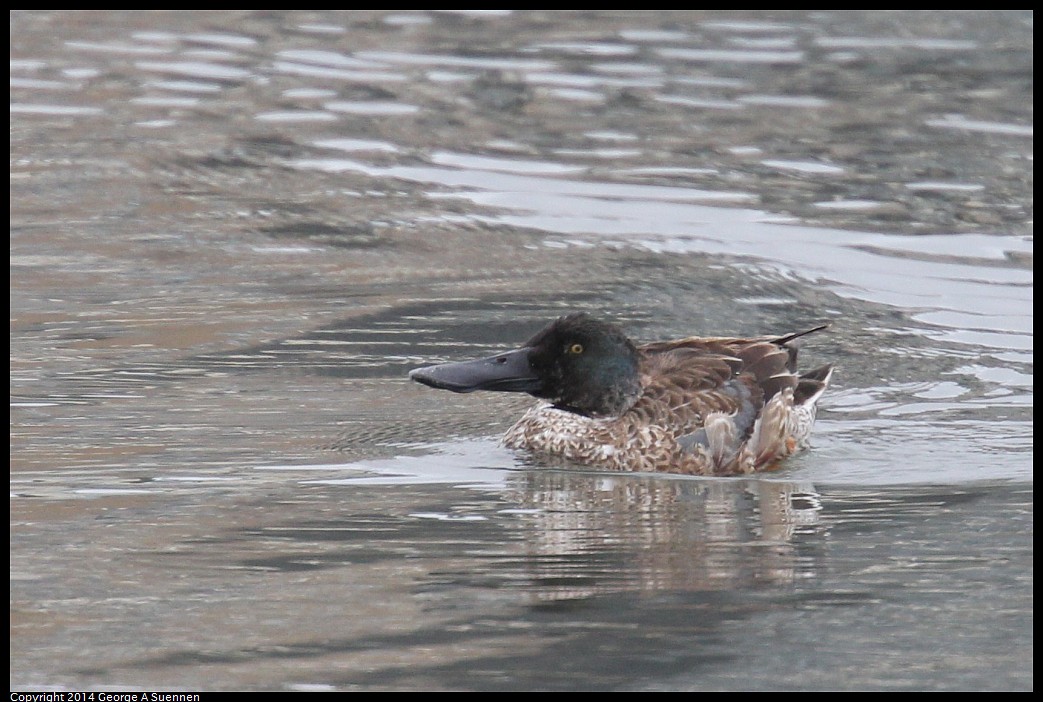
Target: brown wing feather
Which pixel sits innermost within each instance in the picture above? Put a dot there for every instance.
(688, 379)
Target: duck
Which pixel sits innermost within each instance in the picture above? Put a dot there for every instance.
(710, 406)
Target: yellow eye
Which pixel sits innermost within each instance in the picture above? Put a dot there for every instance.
(576, 349)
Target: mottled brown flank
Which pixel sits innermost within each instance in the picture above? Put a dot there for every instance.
(709, 407)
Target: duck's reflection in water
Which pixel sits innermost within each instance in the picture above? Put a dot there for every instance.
(596, 533)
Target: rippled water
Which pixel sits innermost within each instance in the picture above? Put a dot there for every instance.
(232, 234)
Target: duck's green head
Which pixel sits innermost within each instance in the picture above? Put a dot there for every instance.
(579, 363)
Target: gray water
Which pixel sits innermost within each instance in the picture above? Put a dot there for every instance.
(233, 233)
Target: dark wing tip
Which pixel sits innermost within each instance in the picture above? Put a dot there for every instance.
(812, 384)
(782, 340)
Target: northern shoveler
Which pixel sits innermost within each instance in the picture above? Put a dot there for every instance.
(700, 406)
